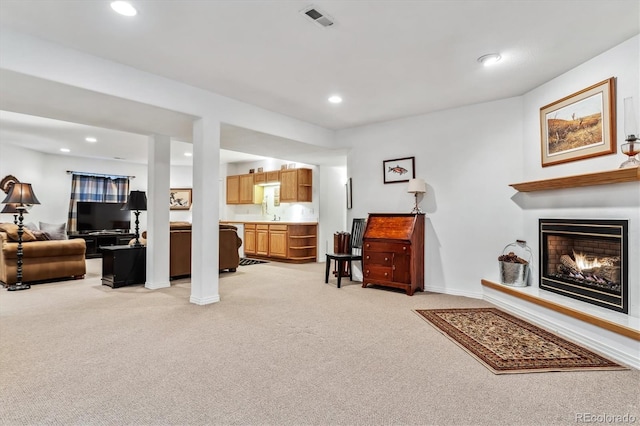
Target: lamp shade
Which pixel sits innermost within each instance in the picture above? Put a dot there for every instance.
(21, 194)
(417, 186)
(137, 201)
(11, 208)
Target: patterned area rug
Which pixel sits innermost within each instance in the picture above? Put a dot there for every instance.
(244, 261)
(506, 344)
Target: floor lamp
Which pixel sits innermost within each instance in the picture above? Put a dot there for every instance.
(21, 196)
(11, 208)
(137, 201)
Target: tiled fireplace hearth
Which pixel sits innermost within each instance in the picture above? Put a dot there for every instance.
(586, 260)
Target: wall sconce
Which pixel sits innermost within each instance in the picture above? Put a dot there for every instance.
(417, 186)
(137, 201)
(21, 197)
(632, 147)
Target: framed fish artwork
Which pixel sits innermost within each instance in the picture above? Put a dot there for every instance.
(399, 170)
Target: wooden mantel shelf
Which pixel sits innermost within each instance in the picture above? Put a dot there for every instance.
(612, 176)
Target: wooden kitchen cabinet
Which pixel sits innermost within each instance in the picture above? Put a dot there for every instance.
(296, 185)
(246, 189)
(241, 190)
(393, 251)
(249, 242)
(266, 177)
(233, 189)
(262, 239)
(278, 240)
(302, 242)
(287, 242)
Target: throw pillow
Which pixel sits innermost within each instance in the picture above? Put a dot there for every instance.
(55, 232)
(12, 232)
(31, 226)
(41, 236)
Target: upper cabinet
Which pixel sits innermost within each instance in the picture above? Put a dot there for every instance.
(233, 189)
(241, 190)
(266, 177)
(295, 185)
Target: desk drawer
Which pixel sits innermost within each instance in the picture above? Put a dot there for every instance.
(377, 246)
(377, 272)
(378, 258)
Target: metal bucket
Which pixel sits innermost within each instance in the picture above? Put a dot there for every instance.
(515, 274)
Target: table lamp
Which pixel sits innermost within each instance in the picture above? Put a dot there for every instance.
(137, 201)
(417, 186)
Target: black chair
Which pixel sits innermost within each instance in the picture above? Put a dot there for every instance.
(355, 252)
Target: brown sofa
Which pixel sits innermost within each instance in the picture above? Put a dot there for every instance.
(41, 260)
(180, 249)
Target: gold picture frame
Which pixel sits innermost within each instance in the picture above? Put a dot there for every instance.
(579, 126)
(180, 198)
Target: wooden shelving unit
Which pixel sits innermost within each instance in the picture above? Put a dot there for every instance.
(590, 179)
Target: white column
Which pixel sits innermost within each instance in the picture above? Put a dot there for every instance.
(206, 213)
(158, 212)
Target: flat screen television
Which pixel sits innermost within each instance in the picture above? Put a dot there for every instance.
(93, 217)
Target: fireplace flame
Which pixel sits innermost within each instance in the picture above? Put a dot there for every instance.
(586, 263)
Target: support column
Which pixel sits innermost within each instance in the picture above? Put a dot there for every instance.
(159, 172)
(206, 212)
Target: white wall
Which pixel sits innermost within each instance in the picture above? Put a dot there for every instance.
(52, 184)
(620, 201)
(333, 207)
(467, 156)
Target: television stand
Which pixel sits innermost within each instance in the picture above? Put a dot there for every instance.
(98, 239)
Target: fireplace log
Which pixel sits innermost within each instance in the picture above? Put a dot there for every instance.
(567, 261)
(609, 273)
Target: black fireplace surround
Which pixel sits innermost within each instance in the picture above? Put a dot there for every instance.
(586, 260)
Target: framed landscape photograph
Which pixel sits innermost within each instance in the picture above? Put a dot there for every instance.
(180, 199)
(399, 170)
(579, 126)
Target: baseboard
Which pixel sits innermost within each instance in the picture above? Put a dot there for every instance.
(444, 290)
(204, 300)
(156, 286)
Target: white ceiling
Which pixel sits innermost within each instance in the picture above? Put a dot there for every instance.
(387, 59)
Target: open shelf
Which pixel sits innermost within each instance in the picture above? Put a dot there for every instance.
(600, 178)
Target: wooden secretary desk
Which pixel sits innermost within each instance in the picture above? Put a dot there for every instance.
(393, 251)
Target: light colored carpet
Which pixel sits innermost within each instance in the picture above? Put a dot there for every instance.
(280, 348)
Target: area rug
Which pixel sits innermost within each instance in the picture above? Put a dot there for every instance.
(506, 344)
(244, 261)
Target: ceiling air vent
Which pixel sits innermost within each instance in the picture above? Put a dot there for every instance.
(314, 15)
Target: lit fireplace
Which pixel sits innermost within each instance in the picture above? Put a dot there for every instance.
(586, 260)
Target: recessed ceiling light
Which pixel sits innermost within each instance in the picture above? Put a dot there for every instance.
(490, 59)
(335, 99)
(65, 150)
(90, 139)
(124, 8)
(188, 154)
